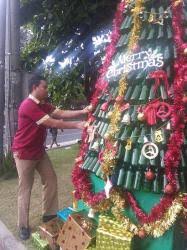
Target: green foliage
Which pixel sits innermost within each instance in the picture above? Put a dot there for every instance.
(54, 21)
(8, 170)
(66, 90)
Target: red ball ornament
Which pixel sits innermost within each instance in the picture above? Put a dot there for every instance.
(185, 51)
(184, 99)
(136, 48)
(104, 106)
(168, 189)
(79, 159)
(119, 99)
(149, 175)
(141, 233)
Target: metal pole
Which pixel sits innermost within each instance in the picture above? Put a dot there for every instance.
(12, 72)
(2, 74)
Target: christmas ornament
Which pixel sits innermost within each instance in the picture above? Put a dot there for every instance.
(119, 99)
(126, 119)
(95, 146)
(141, 15)
(185, 51)
(91, 133)
(74, 202)
(160, 20)
(166, 14)
(149, 175)
(79, 159)
(159, 76)
(184, 100)
(91, 213)
(152, 18)
(150, 150)
(109, 114)
(141, 233)
(168, 126)
(124, 107)
(129, 144)
(108, 187)
(158, 136)
(163, 110)
(104, 106)
(168, 189)
(141, 116)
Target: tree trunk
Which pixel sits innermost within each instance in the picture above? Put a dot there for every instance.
(12, 70)
(2, 75)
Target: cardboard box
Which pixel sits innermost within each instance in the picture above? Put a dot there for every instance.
(64, 213)
(38, 242)
(111, 235)
(50, 230)
(77, 233)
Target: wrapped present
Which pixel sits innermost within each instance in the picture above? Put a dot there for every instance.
(38, 242)
(64, 213)
(50, 230)
(77, 233)
(111, 235)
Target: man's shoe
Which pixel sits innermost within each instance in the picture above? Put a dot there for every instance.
(24, 233)
(47, 218)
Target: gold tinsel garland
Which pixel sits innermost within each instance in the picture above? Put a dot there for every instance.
(108, 164)
(155, 229)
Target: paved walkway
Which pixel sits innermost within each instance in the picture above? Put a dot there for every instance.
(8, 241)
(63, 144)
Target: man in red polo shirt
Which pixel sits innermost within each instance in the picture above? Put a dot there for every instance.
(34, 117)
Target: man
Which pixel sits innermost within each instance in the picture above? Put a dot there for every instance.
(34, 117)
(54, 133)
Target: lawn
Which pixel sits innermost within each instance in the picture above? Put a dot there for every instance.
(63, 160)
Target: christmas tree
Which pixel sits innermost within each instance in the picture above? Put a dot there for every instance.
(132, 163)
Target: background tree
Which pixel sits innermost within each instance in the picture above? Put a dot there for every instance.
(65, 29)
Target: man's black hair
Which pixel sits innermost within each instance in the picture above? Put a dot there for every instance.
(35, 81)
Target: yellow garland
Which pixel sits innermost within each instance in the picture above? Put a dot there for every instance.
(137, 24)
(108, 165)
(155, 229)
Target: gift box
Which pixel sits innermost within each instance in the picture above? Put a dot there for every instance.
(111, 235)
(49, 231)
(38, 242)
(77, 233)
(64, 213)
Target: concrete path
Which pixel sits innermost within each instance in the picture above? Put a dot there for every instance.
(63, 144)
(8, 241)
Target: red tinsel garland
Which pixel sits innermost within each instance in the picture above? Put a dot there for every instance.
(172, 156)
(80, 177)
(156, 212)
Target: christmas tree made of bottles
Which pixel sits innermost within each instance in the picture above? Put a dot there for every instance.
(132, 159)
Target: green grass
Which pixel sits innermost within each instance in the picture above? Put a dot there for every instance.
(63, 161)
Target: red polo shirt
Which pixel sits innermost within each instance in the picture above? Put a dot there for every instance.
(30, 137)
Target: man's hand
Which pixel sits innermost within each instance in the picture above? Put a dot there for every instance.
(81, 125)
(88, 109)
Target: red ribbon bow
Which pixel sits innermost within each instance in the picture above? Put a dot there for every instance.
(159, 75)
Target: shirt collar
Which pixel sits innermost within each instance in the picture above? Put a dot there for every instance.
(34, 99)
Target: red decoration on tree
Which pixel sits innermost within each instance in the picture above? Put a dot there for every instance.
(163, 110)
(159, 75)
(149, 175)
(119, 99)
(142, 233)
(169, 189)
(184, 100)
(104, 106)
(156, 109)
